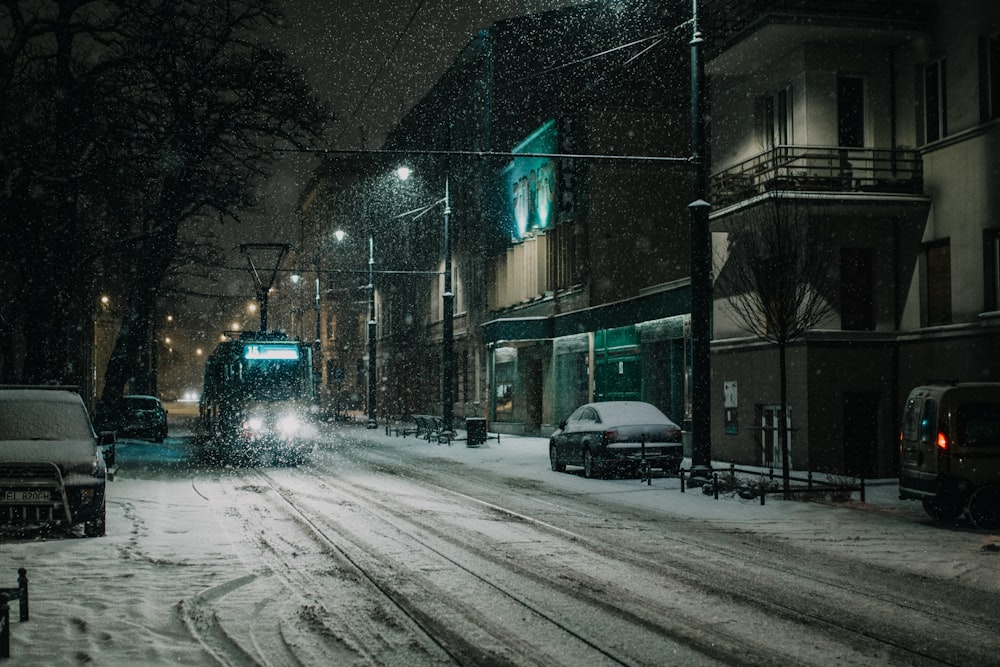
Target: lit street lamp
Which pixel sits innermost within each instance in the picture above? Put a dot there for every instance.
(372, 378)
(448, 304)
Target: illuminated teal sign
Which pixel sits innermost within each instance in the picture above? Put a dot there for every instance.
(531, 182)
(271, 351)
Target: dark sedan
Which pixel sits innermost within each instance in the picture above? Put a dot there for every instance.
(135, 417)
(601, 435)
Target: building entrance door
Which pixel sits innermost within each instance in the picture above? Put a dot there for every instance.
(768, 417)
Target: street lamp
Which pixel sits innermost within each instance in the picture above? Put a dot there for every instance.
(448, 303)
(372, 379)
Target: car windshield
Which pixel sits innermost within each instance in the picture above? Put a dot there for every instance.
(43, 420)
(141, 403)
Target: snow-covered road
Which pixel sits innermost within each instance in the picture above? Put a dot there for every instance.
(386, 551)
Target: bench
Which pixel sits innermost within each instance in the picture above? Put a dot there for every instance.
(19, 593)
(429, 427)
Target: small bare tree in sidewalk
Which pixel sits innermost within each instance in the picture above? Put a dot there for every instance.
(777, 279)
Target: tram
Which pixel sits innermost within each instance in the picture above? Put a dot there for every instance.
(257, 401)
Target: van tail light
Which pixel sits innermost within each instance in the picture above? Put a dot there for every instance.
(610, 436)
(942, 441)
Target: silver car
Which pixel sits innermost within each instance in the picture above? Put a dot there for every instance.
(626, 434)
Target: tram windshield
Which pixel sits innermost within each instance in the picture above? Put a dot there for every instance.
(273, 371)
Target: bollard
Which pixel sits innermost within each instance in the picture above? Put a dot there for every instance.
(4, 627)
(22, 586)
(809, 480)
(862, 489)
(681, 471)
(715, 485)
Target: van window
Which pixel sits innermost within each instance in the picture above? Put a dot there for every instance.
(928, 423)
(979, 424)
(911, 419)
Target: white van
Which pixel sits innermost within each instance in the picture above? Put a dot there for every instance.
(949, 451)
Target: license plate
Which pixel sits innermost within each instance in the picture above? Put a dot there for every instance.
(43, 495)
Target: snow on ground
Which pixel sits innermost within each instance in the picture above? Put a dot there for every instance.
(134, 593)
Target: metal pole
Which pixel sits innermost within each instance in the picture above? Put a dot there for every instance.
(448, 344)
(372, 371)
(318, 305)
(701, 272)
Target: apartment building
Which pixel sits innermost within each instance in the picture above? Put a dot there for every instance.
(875, 122)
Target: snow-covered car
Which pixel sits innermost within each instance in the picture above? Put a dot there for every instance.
(136, 416)
(53, 467)
(600, 435)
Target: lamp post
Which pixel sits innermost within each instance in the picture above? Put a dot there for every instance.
(318, 310)
(372, 343)
(701, 271)
(448, 344)
(448, 304)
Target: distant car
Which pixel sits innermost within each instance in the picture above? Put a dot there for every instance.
(600, 435)
(139, 417)
(53, 467)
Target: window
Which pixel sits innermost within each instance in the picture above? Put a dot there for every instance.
(979, 424)
(989, 77)
(935, 102)
(938, 285)
(777, 130)
(991, 267)
(928, 424)
(850, 111)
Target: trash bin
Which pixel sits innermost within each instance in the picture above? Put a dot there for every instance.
(475, 427)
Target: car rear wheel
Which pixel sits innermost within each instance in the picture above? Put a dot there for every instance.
(943, 509)
(984, 507)
(554, 461)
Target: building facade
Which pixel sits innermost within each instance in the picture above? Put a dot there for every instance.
(875, 122)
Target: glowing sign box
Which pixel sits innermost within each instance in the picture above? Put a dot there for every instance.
(271, 351)
(531, 182)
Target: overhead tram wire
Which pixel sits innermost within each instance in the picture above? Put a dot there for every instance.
(506, 155)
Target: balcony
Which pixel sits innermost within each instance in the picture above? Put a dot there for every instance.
(729, 21)
(819, 169)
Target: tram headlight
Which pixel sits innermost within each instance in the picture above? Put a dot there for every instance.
(289, 425)
(253, 424)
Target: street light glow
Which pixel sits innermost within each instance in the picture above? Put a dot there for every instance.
(339, 235)
(403, 172)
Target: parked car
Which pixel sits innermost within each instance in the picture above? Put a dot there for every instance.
(600, 435)
(136, 417)
(950, 451)
(53, 467)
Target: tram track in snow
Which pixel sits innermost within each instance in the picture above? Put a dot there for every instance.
(822, 598)
(509, 646)
(683, 628)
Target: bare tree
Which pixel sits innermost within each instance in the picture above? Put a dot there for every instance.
(777, 280)
(127, 120)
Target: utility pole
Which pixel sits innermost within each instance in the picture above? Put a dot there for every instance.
(448, 344)
(701, 271)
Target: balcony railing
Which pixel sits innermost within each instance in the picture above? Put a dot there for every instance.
(819, 169)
